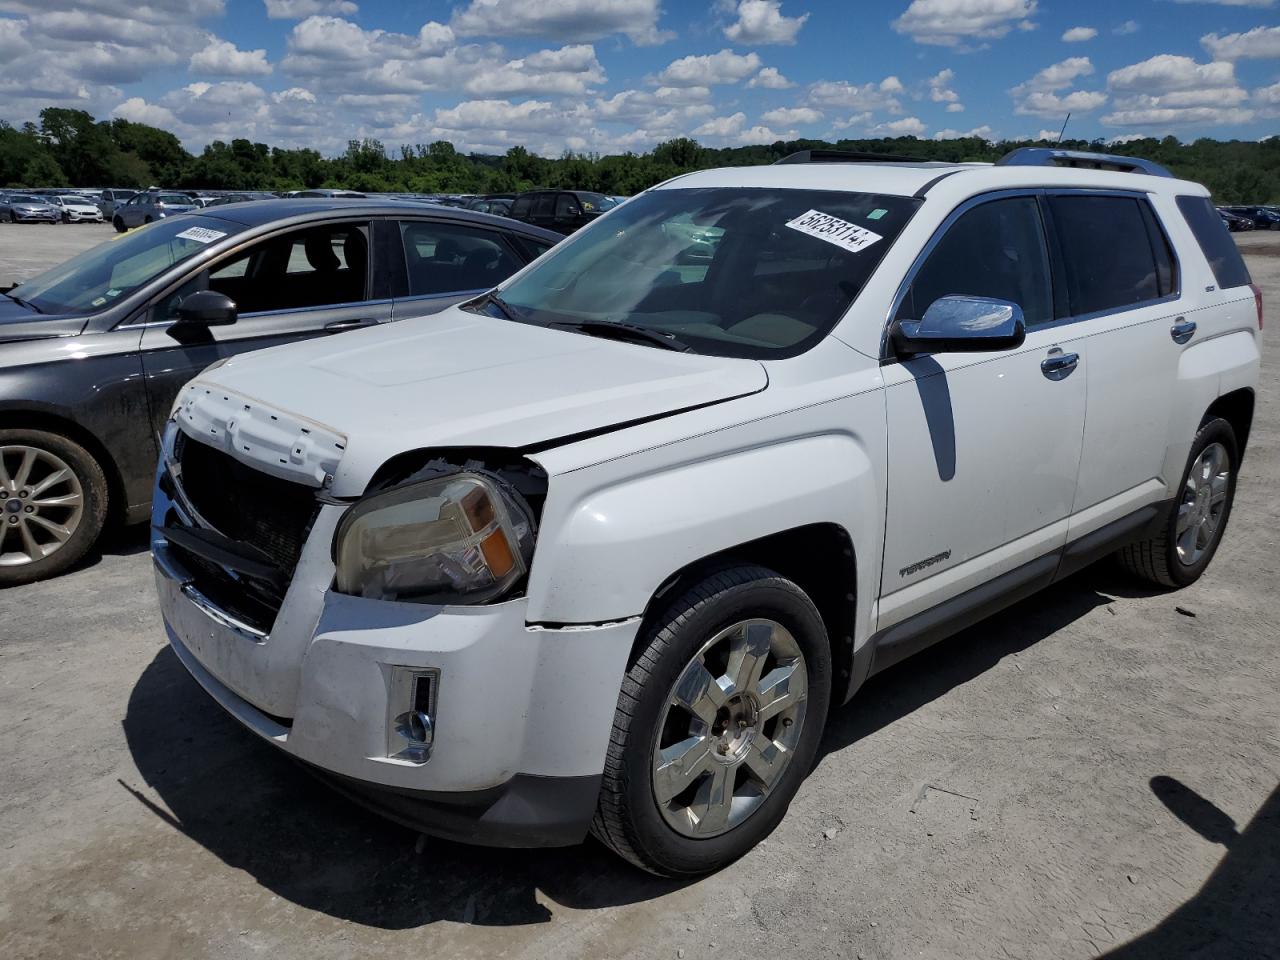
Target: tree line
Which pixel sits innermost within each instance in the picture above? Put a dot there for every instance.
(71, 148)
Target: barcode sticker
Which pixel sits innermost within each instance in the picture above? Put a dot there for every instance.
(201, 234)
(842, 233)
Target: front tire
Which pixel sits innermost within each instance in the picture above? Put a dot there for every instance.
(1190, 533)
(53, 504)
(718, 723)
(119, 225)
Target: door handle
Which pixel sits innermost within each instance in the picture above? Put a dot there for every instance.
(1183, 330)
(338, 326)
(1059, 365)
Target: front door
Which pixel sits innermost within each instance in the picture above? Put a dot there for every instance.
(302, 283)
(983, 448)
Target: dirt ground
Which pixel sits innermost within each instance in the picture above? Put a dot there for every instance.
(1095, 771)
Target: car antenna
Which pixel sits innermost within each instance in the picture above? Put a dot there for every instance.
(1064, 128)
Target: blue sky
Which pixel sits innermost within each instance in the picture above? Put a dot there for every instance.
(612, 75)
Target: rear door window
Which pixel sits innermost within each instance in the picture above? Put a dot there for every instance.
(1107, 253)
(997, 250)
(543, 205)
(1215, 242)
(450, 258)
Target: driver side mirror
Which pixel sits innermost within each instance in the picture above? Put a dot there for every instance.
(961, 324)
(206, 308)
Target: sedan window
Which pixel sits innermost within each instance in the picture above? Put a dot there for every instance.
(101, 276)
(449, 257)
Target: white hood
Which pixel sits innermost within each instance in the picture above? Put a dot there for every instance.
(460, 379)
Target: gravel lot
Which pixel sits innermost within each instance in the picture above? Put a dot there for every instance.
(1095, 771)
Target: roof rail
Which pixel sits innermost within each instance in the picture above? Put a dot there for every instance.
(846, 156)
(1049, 157)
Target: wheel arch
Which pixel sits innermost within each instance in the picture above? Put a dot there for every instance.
(50, 422)
(818, 557)
(1236, 408)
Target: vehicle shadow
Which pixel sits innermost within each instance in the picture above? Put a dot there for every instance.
(245, 803)
(248, 805)
(1237, 911)
(919, 680)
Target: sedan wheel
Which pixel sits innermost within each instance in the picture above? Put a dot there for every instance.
(53, 504)
(42, 502)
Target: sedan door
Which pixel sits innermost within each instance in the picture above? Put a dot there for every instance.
(302, 283)
(984, 448)
(445, 262)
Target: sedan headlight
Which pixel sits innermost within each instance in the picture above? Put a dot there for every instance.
(459, 538)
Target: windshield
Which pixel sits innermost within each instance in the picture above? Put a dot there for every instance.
(101, 276)
(729, 272)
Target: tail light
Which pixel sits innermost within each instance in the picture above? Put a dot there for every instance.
(1257, 299)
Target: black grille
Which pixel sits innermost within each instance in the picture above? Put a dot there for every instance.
(265, 512)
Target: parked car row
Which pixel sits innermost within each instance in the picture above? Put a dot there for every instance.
(595, 540)
(1258, 217)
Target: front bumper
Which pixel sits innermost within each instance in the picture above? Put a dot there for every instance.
(84, 216)
(38, 217)
(522, 713)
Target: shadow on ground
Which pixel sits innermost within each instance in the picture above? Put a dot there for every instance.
(1236, 913)
(257, 812)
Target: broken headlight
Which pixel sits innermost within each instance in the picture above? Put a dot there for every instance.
(458, 538)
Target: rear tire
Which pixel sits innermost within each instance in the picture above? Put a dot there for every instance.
(718, 723)
(53, 504)
(1195, 522)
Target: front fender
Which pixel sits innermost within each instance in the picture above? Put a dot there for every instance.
(611, 534)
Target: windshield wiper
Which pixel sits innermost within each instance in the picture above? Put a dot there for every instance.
(618, 330)
(497, 301)
(23, 303)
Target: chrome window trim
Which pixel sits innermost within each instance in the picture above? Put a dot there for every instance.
(158, 324)
(886, 356)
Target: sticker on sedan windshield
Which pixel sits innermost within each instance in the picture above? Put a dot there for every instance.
(201, 234)
(842, 233)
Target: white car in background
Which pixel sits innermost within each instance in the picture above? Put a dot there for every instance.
(601, 549)
(75, 208)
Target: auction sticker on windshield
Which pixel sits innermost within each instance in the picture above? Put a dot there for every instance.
(842, 233)
(201, 234)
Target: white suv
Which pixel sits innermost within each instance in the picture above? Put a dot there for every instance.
(602, 548)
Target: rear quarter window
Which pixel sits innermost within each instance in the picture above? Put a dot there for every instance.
(1215, 242)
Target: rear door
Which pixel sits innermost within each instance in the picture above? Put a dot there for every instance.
(1121, 282)
(983, 448)
(301, 283)
(446, 262)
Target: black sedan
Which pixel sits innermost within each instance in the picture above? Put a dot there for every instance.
(1235, 223)
(93, 352)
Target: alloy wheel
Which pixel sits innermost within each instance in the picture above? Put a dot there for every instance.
(729, 729)
(1204, 498)
(41, 504)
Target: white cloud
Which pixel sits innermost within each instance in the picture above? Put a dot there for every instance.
(1169, 90)
(882, 96)
(1267, 100)
(1051, 135)
(221, 58)
(955, 108)
(761, 22)
(1079, 34)
(564, 20)
(906, 127)
(940, 87)
(787, 116)
(569, 71)
(138, 110)
(1233, 3)
(732, 129)
(709, 69)
(770, 79)
(299, 9)
(1126, 28)
(983, 131)
(1259, 43)
(952, 23)
(1040, 95)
